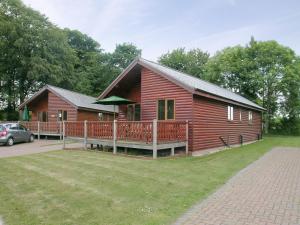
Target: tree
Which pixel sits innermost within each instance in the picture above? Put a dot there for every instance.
(191, 62)
(35, 52)
(258, 71)
(123, 55)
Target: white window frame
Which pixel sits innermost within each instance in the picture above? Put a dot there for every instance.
(250, 117)
(240, 115)
(230, 113)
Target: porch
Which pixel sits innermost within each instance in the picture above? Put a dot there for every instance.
(149, 135)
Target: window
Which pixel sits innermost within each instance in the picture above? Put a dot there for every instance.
(21, 127)
(240, 115)
(134, 112)
(43, 116)
(250, 117)
(62, 115)
(166, 109)
(230, 113)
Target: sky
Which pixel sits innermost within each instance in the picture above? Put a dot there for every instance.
(159, 26)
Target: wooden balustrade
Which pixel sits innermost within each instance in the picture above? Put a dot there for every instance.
(74, 129)
(100, 129)
(168, 131)
(31, 125)
(135, 131)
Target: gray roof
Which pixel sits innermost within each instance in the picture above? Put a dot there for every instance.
(198, 84)
(77, 99)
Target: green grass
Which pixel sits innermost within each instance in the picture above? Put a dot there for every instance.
(77, 187)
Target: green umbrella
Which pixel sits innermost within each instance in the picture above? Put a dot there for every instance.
(25, 115)
(114, 100)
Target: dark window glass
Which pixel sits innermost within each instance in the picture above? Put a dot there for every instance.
(137, 112)
(62, 115)
(161, 109)
(170, 109)
(22, 127)
(130, 112)
(65, 115)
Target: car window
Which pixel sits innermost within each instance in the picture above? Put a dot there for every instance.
(13, 128)
(21, 127)
(1, 128)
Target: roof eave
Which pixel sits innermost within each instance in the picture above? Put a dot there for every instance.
(119, 78)
(94, 110)
(219, 98)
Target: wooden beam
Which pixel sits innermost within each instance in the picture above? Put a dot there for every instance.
(154, 135)
(115, 137)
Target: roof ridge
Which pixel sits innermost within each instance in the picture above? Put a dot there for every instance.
(186, 74)
(48, 85)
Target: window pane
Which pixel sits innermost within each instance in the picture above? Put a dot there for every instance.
(231, 113)
(137, 112)
(170, 112)
(130, 113)
(161, 109)
(65, 115)
(59, 115)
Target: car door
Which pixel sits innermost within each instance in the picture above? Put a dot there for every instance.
(14, 131)
(23, 133)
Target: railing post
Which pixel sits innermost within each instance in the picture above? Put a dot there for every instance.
(64, 134)
(85, 135)
(187, 137)
(154, 136)
(115, 137)
(60, 131)
(38, 130)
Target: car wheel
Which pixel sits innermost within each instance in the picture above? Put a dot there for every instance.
(10, 141)
(31, 139)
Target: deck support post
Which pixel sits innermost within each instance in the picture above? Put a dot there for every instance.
(38, 126)
(187, 137)
(125, 150)
(154, 136)
(115, 137)
(64, 134)
(85, 135)
(172, 151)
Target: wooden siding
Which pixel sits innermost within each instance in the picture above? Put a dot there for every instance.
(133, 94)
(210, 122)
(41, 105)
(56, 103)
(154, 87)
(93, 116)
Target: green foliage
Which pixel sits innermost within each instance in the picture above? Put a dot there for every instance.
(34, 52)
(191, 62)
(265, 72)
(123, 55)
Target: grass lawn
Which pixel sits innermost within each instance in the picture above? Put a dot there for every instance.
(78, 187)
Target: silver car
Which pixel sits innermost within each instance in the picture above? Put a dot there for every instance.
(11, 133)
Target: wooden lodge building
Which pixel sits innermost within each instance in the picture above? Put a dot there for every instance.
(216, 116)
(54, 104)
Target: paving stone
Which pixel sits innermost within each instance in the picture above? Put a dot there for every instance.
(266, 192)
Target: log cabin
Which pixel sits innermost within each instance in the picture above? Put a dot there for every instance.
(217, 117)
(54, 104)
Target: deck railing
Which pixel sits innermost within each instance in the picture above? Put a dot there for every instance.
(134, 131)
(100, 129)
(140, 131)
(43, 127)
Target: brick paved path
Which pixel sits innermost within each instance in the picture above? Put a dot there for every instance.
(266, 192)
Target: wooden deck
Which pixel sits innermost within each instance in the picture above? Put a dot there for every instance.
(149, 135)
